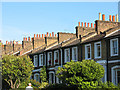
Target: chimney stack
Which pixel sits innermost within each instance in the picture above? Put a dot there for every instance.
(52, 34)
(110, 18)
(113, 18)
(103, 17)
(99, 16)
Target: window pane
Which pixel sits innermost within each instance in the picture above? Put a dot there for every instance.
(88, 51)
(114, 43)
(118, 76)
(98, 50)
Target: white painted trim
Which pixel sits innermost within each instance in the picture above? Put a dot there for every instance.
(51, 76)
(73, 58)
(36, 70)
(65, 58)
(55, 56)
(38, 76)
(16, 52)
(102, 61)
(27, 52)
(112, 33)
(95, 50)
(40, 59)
(111, 47)
(114, 61)
(86, 52)
(49, 58)
(34, 60)
(61, 57)
(113, 73)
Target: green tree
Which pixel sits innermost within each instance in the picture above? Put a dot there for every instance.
(85, 74)
(43, 74)
(16, 69)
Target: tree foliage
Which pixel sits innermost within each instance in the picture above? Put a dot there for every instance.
(43, 74)
(16, 69)
(85, 74)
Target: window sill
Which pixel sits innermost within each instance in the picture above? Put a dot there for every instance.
(114, 55)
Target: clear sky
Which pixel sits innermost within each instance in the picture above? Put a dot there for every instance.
(20, 19)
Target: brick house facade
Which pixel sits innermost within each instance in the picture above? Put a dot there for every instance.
(100, 43)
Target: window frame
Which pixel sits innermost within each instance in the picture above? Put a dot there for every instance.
(73, 58)
(35, 61)
(40, 59)
(111, 47)
(65, 55)
(49, 58)
(86, 53)
(38, 77)
(52, 72)
(95, 50)
(55, 56)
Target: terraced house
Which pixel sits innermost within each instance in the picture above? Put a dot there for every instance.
(99, 41)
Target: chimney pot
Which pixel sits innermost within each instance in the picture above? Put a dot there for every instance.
(94, 25)
(110, 18)
(34, 35)
(55, 35)
(88, 24)
(28, 38)
(17, 42)
(37, 35)
(78, 23)
(91, 24)
(6, 42)
(24, 39)
(103, 17)
(113, 18)
(47, 34)
(82, 24)
(85, 24)
(99, 16)
(31, 39)
(42, 36)
(52, 34)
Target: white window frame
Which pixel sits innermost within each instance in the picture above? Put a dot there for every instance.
(38, 77)
(44, 59)
(86, 53)
(65, 57)
(73, 58)
(52, 72)
(49, 59)
(111, 47)
(55, 57)
(95, 50)
(35, 61)
(113, 71)
(40, 59)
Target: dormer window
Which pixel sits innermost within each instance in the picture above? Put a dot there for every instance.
(35, 60)
(41, 60)
(88, 51)
(114, 47)
(56, 57)
(50, 58)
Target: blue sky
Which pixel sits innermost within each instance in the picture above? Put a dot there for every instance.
(20, 19)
